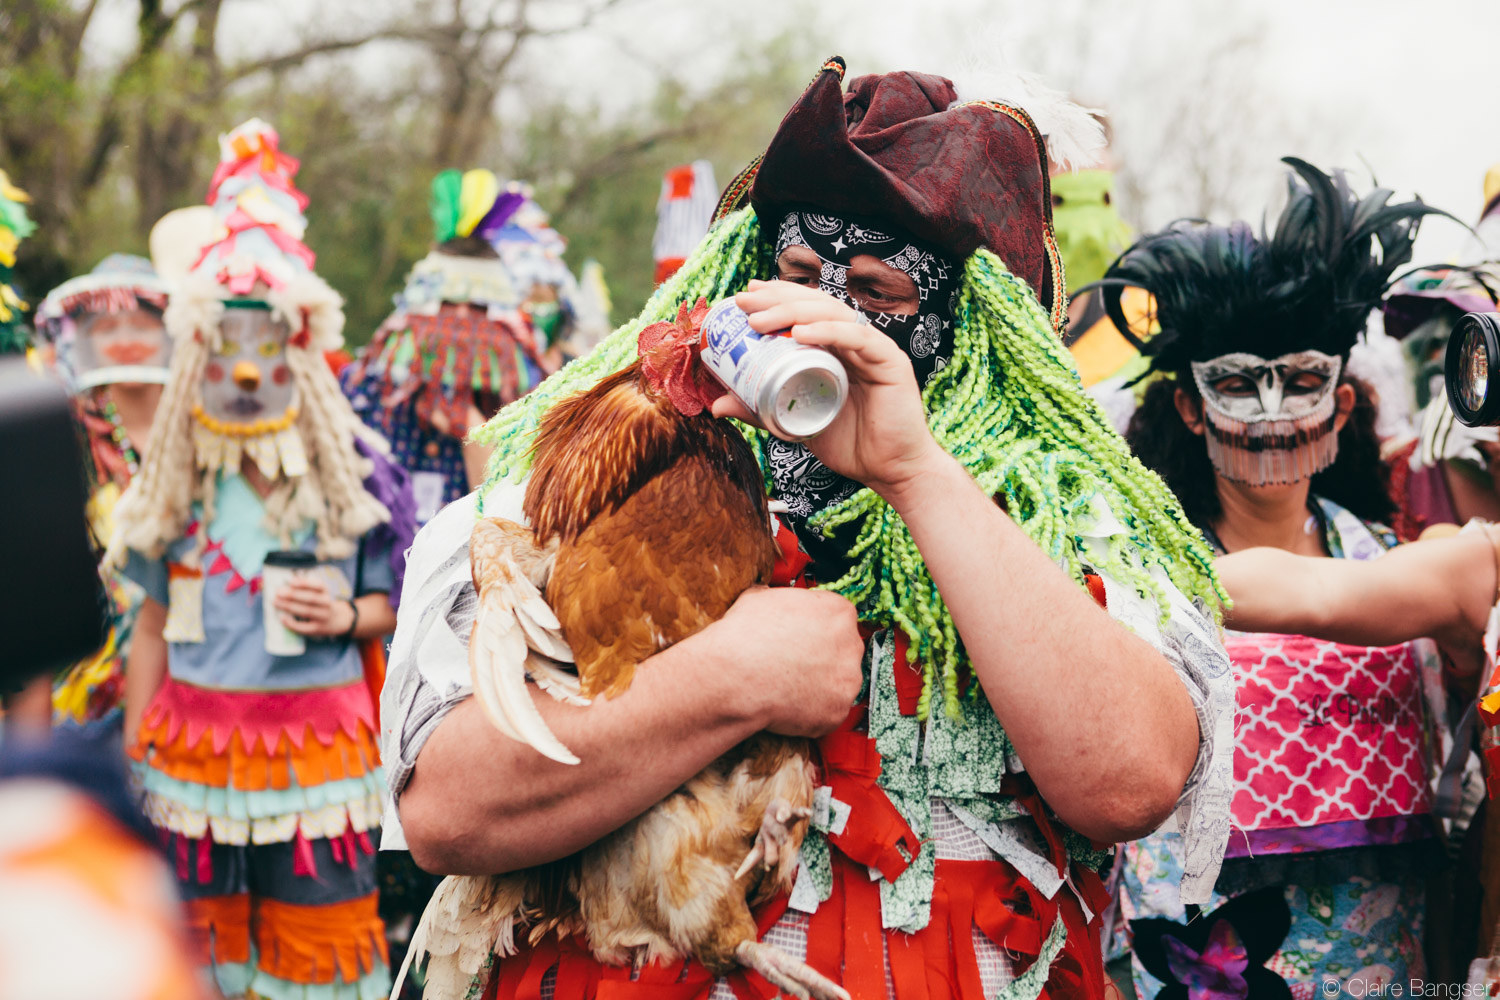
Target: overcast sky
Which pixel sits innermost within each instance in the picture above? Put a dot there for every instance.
(1398, 85)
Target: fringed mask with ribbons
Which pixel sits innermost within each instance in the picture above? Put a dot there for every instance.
(1261, 325)
(457, 338)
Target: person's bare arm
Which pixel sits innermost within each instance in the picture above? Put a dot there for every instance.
(1104, 725)
(479, 802)
(1442, 589)
(146, 664)
(29, 710)
(476, 455)
(1054, 664)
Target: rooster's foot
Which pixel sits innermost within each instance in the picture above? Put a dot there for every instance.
(774, 837)
(786, 973)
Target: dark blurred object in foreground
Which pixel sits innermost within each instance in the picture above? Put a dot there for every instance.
(50, 594)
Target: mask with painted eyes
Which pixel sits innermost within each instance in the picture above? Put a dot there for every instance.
(1090, 233)
(1270, 420)
(128, 346)
(246, 381)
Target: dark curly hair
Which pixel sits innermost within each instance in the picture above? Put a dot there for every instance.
(1357, 479)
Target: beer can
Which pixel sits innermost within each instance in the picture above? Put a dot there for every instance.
(795, 390)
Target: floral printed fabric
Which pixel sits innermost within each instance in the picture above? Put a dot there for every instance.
(435, 461)
(1358, 933)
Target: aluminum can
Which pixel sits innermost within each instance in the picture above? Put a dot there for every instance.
(794, 389)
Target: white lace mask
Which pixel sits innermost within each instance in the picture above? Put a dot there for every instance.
(1270, 420)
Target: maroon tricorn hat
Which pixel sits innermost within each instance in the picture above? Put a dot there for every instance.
(893, 150)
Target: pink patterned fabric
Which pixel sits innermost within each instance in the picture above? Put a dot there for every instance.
(1326, 733)
(261, 716)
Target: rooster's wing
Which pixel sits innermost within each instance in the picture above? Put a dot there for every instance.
(666, 562)
(516, 634)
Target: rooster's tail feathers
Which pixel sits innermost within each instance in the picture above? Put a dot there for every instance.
(497, 663)
(467, 918)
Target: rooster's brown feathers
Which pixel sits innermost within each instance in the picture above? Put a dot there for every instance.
(661, 518)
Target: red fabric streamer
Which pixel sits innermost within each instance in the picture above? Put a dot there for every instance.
(304, 864)
(876, 834)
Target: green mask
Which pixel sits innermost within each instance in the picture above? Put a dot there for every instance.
(546, 317)
(1090, 233)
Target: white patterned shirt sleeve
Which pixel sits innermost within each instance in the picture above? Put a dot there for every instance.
(1191, 642)
(428, 670)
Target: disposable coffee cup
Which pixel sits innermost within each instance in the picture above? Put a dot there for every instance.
(279, 569)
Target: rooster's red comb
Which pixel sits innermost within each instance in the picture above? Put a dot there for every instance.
(669, 361)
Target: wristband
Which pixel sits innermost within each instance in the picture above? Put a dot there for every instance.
(354, 623)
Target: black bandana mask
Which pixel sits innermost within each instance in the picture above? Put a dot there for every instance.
(803, 483)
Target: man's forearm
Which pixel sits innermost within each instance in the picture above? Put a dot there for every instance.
(1106, 729)
(376, 616)
(479, 802)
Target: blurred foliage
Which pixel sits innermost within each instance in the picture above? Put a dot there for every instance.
(601, 184)
(106, 150)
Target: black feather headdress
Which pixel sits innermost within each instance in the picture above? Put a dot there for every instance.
(1310, 285)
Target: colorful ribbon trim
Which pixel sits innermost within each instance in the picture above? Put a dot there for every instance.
(261, 719)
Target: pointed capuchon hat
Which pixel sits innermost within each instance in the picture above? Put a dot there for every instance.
(253, 250)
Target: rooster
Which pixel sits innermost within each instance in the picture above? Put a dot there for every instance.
(647, 520)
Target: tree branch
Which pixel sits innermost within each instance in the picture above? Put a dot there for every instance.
(286, 60)
(155, 29)
(74, 41)
(617, 159)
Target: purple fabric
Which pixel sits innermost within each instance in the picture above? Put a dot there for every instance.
(1218, 972)
(499, 214)
(1328, 836)
(1428, 499)
(389, 484)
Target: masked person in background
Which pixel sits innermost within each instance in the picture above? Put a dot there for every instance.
(456, 349)
(1444, 473)
(1257, 426)
(112, 351)
(965, 462)
(1091, 234)
(259, 761)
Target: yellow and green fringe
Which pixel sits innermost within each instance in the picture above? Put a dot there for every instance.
(1009, 407)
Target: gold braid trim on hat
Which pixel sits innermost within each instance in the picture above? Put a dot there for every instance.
(1059, 311)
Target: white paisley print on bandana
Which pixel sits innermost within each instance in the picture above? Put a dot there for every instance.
(926, 336)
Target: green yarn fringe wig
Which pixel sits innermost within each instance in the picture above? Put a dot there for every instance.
(1009, 407)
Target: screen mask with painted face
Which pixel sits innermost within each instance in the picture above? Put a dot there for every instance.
(247, 380)
(130, 346)
(249, 402)
(1270, 420)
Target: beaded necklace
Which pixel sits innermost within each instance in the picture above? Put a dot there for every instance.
(120, 438)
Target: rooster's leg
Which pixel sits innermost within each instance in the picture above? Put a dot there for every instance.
(786, 973)
(775, 836)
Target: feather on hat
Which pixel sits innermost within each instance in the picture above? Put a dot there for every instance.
(1309, 285)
